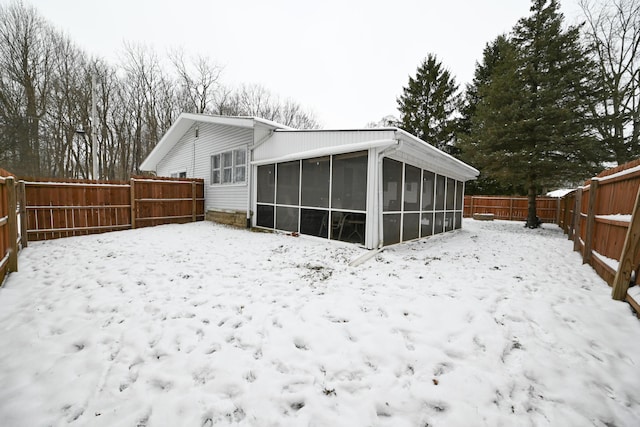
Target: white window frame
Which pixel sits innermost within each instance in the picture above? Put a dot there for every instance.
(176, 173)
(233, 168)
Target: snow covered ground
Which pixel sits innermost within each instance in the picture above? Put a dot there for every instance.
(203, 325)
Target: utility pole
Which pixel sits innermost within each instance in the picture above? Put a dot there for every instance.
(94, 128)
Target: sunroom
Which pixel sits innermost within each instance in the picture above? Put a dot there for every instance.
(373, 187)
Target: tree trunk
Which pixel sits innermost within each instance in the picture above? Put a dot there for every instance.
(532, 219)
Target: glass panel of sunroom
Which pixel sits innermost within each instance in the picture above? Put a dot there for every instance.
(348, 226)
(287, 218)
(411, 189)
(451, 193)
(428, 180)
(266, 183)
(438, 225)
(391, 185)
(391, 228)
(265, 216)
(426, 224)
(440, 186)
(410, 226)
(314, 222)
(459, 195)
(315, 182)
(349, 181)
(458, 217)
(288, 184)
(448, 221)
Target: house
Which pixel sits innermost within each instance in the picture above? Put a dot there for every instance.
(368, 186)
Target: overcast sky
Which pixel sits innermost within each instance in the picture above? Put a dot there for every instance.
(345, 60)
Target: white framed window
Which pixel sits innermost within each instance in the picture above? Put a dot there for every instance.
(179, 174)
(229, 167)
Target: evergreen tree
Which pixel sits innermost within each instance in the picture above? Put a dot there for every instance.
(427, 105)
(494, 53)
(532, 124)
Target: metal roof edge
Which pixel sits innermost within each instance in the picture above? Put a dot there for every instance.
(459, 163)
(178, 128)
(325, 151)
(385, 129)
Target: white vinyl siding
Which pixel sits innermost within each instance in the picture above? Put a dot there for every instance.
(195, 158)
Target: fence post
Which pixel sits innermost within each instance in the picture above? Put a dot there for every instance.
(588, 237)
(472, 212)
(577, 220)
(194, 205)
(22, 199)
(13, 224)
(558, 211)
(568, 218)
(132, 188)
(629, 253)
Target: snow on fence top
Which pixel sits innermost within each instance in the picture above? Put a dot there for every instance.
(620, 170)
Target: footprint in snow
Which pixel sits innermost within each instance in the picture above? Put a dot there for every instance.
(160, 384)
(250, 377)
(300, 343)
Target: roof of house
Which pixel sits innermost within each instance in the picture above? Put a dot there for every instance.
(186, 120)
(418, 148)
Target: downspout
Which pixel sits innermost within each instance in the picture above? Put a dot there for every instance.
(381, 156)
(250, 168)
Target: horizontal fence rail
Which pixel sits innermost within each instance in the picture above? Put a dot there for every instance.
(512, 208)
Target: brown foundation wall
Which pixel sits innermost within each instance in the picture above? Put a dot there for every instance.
(233, 218)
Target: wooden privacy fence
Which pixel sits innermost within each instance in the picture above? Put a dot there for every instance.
(512, 208)
(79, 207)
(8, 227)
(603, 219)
(12, 238)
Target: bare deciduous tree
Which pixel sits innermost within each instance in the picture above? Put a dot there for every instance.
(46, 100)
(26, 59)
(613, 31)
(255, 100)
(199, 82)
